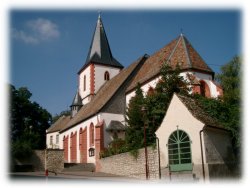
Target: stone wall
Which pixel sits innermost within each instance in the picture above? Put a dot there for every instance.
(55, 160)
(127, 165)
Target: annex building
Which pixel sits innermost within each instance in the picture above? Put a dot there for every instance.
(105, 88)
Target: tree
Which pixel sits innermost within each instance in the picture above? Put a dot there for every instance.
(63, 113)
(134, 133)
(227, 109)
(28, 121)
(157, 101)
(230, 80)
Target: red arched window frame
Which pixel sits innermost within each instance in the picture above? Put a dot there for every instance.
(204, 89)
(106, 76)
(150, 91)
(91, 134)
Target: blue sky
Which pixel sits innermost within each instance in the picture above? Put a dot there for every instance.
(47, 48)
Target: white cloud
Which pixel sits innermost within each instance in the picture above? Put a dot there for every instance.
(44, 28)
(21, 35)
(37, 31)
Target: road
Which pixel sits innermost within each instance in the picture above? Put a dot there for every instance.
(69, 177)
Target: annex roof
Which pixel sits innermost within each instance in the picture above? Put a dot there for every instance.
(115, 126)
(196, 109)
(59, 124)
(99, 51)
(178, 51)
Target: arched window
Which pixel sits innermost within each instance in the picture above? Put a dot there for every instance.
(80, 138)
(179, 151)
(150, 91)
(91, 134)
(106, 75)
(84, 83)
(91, 152)
(204, 89)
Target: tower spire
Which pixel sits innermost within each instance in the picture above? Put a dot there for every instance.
(99, 51)
(76, 104)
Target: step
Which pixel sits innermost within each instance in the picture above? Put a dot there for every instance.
(182, 176)
(73, 167)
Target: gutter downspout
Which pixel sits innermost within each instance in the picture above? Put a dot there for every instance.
(202, 157)
(159, 157)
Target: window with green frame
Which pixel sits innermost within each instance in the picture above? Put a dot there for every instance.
(179, 151)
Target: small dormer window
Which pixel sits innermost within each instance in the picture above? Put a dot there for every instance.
(106, 76)
(91, 152)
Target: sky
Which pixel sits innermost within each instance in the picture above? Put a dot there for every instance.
(48, 47)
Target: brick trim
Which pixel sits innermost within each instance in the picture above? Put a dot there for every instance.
(65, 147)
(83, 145)
(73, 147)
(92, 79)
(99, 143)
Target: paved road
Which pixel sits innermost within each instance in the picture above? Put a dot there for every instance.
(70, 176)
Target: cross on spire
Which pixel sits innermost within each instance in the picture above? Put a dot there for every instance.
(99, 14)
(181, 31)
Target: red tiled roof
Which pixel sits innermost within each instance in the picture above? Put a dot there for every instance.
(179, 51)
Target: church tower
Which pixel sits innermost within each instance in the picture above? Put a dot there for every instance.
(100, 65)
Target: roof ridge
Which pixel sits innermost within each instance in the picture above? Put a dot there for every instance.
(174, 49)
(184, 40)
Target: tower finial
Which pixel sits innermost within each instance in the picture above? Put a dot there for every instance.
(181, 32)
(99, 14)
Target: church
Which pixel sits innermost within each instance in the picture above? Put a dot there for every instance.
(105, 88)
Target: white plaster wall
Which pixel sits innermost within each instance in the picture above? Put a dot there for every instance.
(178, 115)
(77, 129)
(99, 75)
(86, 100)
(144, 88)
(85, 93)
(108, 117)
(213, 89)
(200, 76)
(54, 144)
(208, 79)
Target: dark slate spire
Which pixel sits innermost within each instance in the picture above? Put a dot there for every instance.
(76, 104)
(99, 51)
(77, 100)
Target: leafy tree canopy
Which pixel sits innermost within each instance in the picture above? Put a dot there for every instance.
(156, 102)
(28, 121)
(57, 116)
(227, 109)
(230, 80)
